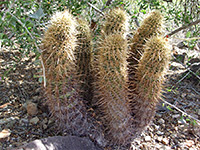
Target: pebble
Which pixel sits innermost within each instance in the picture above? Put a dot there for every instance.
(4, 134)
(158, 115)
(159, 133)
(147, 138)
(182, 121)
(165, 141)
(34, 120)
(45, 121)
(161, 121)
(176, 116)
(183, 95)
(31, 108)
(44, 126)
(198, 111)
(159, 138)
(156, 127)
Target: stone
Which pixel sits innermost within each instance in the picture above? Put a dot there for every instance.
(44, 126)
(159, 133)
(161, 121)
(60, 143)
(34, 120)
(159, 138)
(147, 138)
(31, 108)
(4, 134)
(165, 141)
(183, 95)
(198, 111)
(176, 116)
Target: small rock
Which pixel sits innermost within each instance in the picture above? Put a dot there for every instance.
(161, 121)
(4, 134)
(31, 108)
(176, 116)
(159, 138)
(50, 121)
(147, 138)
(189, 143)
(45, 121)
(44, 126)
(182, 121)
(165, 141)
(159, 133)
(61, 143)
(198, 111)
(183, 95)
(34, 120)
(156, 127)
(158, 115)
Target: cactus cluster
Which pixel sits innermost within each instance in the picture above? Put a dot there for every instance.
(120, 79)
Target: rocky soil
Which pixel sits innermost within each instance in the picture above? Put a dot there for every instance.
(24, 117)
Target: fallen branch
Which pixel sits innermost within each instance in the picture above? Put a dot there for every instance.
(188, 69)
(98, 10)
(38, 49)
(188, 39)
(184, 27)
(183, 113)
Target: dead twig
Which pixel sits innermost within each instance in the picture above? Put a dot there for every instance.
(183, 113)
(188, 69)
(184, 27)
(98, 10)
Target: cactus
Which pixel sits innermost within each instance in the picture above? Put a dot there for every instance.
(110, 86)
(83, 58)
(116, 20)
(149, 79)
(126, 88)
(62, 89)
(152, 25)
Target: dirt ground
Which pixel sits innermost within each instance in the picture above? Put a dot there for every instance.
(170, 129)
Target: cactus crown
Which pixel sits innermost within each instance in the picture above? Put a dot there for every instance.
(116, 20)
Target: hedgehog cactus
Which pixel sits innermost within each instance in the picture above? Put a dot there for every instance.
(111, 88)
(116, 20)
(111, 81)
(83, 57)
(152, 25)
(149, 78)
(62, 89)
(126, 88)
